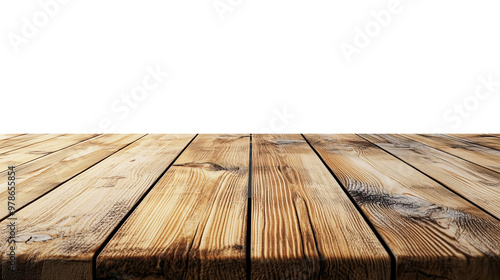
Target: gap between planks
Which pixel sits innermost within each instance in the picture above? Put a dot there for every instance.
(412, 210)
(112, 234)
(82, 204)
(474, 153)
(191, 200)
(39, 150)
(249, 209)
(249, 215)
(38, 182)
(303, 223)
(466, 187)
(358, 208)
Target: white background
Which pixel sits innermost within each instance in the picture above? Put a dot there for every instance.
(237, 70)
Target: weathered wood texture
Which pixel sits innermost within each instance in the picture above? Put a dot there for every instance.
(22, 141)
(476, 183)
(401, 209)
(40, 176)
(303, 224)
(432, 232)
(192, 225)
(8, 136)
(34, 151)
(59, 234)
(477, 154)
(487, 140)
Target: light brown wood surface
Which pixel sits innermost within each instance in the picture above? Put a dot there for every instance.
(478, 184)
(481, 155)
(40, 176)
(487, 140)
(37, 150)
(252, 207)
(8, 136)
(59, 234)
(432, 232)
(303, 224)
(192, 225)
(22, 141)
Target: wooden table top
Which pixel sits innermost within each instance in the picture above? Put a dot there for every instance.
(337, 206)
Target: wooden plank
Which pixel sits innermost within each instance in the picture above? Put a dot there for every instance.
(478, 184)
(433, 233)
(8, 136)
(477, 154)
(37, 150)
(22, 141)
(303, 223)
(487, 140)
(40, 176)
(58, 234)
(192, 225)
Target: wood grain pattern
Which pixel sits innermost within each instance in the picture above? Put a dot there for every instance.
(59, 233)
(478, 184)
(15, 143)
(192, 225)
(477, 154)
(303, 224)
(432, 232)
(37, 150)
(40, 176)
(8, 136)
(77, 193)
(487, 140)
